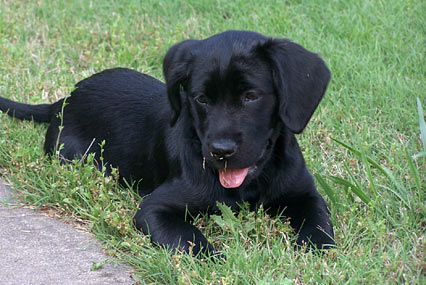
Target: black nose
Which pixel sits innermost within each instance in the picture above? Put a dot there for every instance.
(223, 149)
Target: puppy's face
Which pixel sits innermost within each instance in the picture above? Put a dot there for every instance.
(234, 110)
(241, 87)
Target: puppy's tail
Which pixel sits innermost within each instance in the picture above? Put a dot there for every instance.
(38, 113)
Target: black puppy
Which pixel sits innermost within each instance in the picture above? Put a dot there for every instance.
(224, 133)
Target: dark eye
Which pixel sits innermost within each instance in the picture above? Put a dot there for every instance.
(202, 99)
(250, 96)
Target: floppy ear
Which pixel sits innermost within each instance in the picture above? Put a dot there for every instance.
(176, 72)
(300, 77)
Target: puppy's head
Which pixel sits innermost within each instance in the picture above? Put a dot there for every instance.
(240, 88)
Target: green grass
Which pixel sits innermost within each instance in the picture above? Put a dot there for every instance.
(363, 143)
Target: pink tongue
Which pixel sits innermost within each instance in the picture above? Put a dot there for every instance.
(232, 178)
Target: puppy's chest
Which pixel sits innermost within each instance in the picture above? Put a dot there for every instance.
(253, 196)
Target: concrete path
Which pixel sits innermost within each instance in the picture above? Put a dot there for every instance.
(37, 249)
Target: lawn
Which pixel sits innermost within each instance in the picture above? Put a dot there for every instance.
(361, 144)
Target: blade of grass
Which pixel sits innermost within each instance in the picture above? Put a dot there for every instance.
(358, 189)
(326, 188)
(380, 168)
(396, 194)
(420, 154)
(347, 185)
(414, 172)
(369, 174)
(422, 123)
(362, 196)
(352, 187)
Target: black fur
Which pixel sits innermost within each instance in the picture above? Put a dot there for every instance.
(233, 101)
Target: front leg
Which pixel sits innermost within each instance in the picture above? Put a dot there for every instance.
(309, 216)
(162, 216)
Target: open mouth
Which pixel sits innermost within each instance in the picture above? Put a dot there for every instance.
(232, 177)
